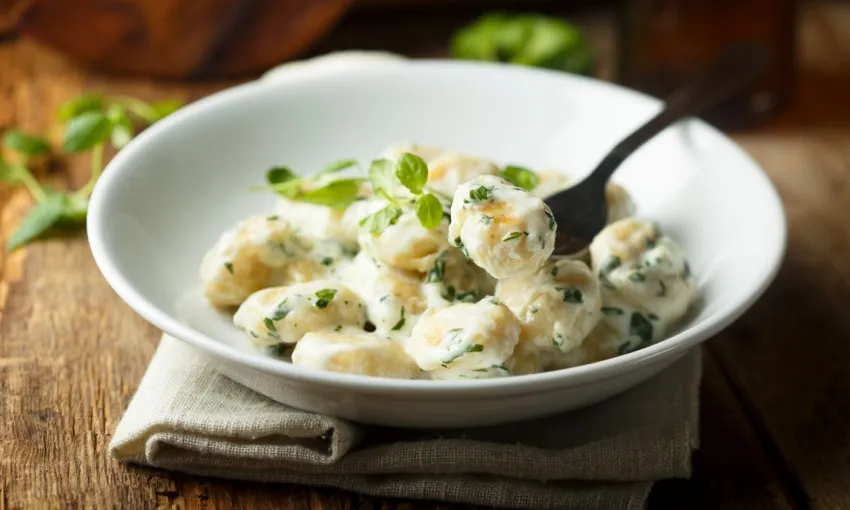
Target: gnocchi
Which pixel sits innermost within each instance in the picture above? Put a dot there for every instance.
(438, 265)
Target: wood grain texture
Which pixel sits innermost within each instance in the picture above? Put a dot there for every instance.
(775, 402)
(180, 38)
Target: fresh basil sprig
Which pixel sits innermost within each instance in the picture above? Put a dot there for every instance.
(412, 172)
(319, 190)
(91, 121)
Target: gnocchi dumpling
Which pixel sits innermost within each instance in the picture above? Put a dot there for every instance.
(282, 315)
(448, 171)
(602, 343)
(258, 252)
(353, 351)
(456, 278)
(393, 297)
(645, 279)
(502, 228)
(557, 306)
(317, 221)
(620, 204)
(465, 338)
(406, 244)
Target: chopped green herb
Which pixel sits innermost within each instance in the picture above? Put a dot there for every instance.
(229, 267)
(534, 310)
(653, 317)
(338, 328)
(254, 334)
(461, 247)
(325, 297)
(468, 297)
(502, 367)
(280, 311)
(623, 348)
(450, 293)
(273, 217)
(400, 323)
(437, 272)
(637, 276)
(480, 193)
(326, 261)
(640, 327)
(612, 310)
(554, 270)
(663, 291)
(552, 224)
(486, 219)
(522, 177)
(611, 264)
(686, 272)
(475, 348)
(269, 324)
(280, 350)
(573, 295)
(650, 243)
(514, 235)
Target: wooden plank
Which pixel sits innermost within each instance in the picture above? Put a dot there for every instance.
(731, 468)
(71, 353)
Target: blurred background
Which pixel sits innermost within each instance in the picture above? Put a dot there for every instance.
(651, 45)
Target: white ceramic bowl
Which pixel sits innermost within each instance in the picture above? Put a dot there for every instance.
(166, 197)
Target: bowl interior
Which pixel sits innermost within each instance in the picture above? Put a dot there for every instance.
(166, 198)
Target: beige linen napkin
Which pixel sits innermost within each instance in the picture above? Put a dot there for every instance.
(187, 417)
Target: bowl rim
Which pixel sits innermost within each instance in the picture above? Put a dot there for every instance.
(98, 217)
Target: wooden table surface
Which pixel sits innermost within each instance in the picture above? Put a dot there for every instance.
(776, 395)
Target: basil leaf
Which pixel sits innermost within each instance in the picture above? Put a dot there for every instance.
(278, 174)
(379, 221)
(85, 131)
(381, 175)
(338, 166)
(40, 218)
(163, 109)
(522, 177)
(25, 143)
(122, 128)
(480, 193)
(412, 171)
(429, 211)
(338, 194)
(79, 105)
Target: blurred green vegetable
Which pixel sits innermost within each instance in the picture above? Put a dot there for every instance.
(90, 122)
(524, 39)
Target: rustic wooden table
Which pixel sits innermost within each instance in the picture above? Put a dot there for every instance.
(776, 395)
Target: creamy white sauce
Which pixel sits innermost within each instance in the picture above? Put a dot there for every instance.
(476, 297)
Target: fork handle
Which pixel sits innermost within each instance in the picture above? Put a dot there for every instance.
(737, 67)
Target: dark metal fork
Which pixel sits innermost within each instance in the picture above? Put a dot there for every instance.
(581, 210)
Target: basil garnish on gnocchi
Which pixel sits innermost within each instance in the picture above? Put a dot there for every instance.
(425, 263)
